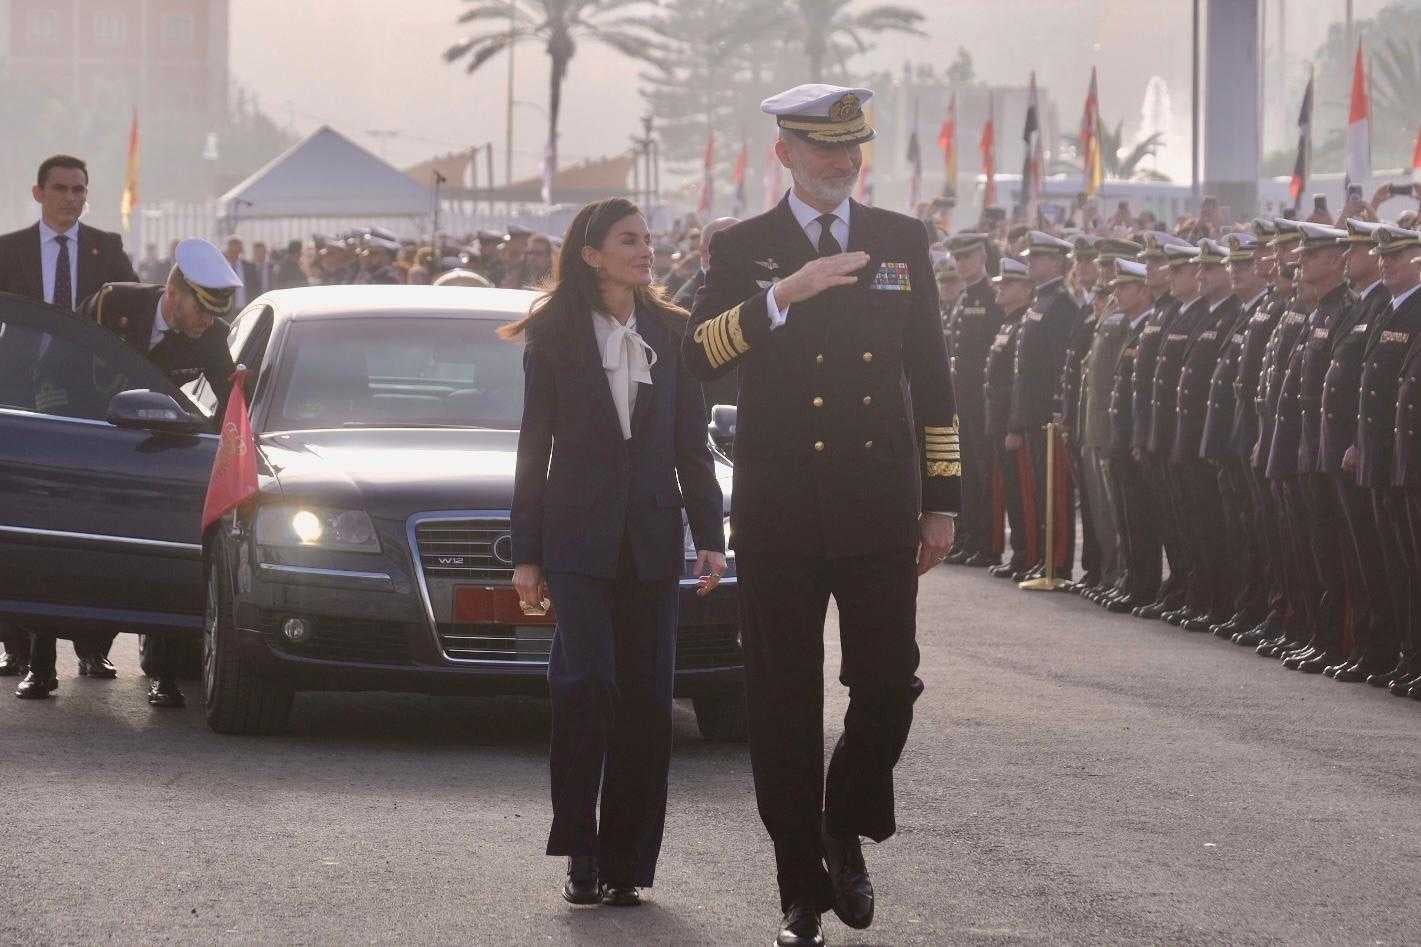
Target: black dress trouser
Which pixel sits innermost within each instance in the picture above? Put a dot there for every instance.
(611, 676)
(783, 599)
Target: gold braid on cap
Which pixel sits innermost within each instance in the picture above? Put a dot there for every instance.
(216, 301)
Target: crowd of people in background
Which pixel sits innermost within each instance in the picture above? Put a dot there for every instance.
(1229, 407)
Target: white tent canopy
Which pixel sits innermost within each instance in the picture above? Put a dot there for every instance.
(326, 175)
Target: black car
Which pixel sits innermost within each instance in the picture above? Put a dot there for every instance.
(376, 555)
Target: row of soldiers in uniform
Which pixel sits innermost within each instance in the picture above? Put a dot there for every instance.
(514, 259)
(1244, 410)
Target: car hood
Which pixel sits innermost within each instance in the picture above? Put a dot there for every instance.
(395, 472)
(398, 471)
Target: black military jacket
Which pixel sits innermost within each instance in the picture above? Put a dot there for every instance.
(1223, 406)
(1341, 389)
(971, 326)
(1201, 363)
(847, 425)
(1257, 329)
(1078, 343)
(1122, 391)
(1040, 356)
(1001, 360)
(129, 310)
(1406, 449)
(1286, 332)
(1294, 446)
(1146, 356)
(1338, 307)
(1169, 364)
(1391, 338)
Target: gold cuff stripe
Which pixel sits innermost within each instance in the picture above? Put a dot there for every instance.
(721, 338)
(944, 455)
(944, 469)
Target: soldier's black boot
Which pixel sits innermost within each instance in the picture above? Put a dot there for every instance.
(582, 886)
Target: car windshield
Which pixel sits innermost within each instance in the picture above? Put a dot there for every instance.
(397, 371)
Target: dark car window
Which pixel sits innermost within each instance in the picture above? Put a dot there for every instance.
(55, 364)
(397, 372)
(247, 343)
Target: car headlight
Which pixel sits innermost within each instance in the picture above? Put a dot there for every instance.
(344, 530)
(688, 542)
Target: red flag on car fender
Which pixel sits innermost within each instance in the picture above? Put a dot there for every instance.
(234, 469)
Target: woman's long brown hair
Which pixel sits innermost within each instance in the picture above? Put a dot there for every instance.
(574, 290)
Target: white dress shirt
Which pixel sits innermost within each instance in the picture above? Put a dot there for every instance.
(808, 219)
(160, 325)
(627, 360)
(49, 259)
(1396, 301)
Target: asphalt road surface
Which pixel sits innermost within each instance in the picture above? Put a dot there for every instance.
(1073, 777)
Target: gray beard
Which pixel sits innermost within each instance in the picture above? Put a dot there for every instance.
(823, 193)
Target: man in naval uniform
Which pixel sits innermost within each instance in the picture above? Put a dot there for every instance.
(178, 326)
(847, 478)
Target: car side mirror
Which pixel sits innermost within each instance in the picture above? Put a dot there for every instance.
(722, 426)
(145, 410)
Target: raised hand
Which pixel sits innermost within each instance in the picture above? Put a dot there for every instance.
(820, 274)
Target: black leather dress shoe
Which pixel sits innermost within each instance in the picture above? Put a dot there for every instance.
(1293, 658)
(1401, 669)
(981, 560)
(1002, 570)
(1401, 687)
(621, 896)
(801, 927)
(853, 891)
(34, 687)
(97, 666)
(165, 693)
(11, 666)
(582, 886)
(956, 556)
(1152, 612)
(1121, 606)
(1320, 659)
(1197, 623)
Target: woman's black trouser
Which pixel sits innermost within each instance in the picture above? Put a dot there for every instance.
(612, 676)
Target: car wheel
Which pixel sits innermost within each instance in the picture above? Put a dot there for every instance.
(238, 699)
(723, 717)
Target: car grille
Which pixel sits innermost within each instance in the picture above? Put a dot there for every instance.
(344, 639)
(465, 548)
(697, 647)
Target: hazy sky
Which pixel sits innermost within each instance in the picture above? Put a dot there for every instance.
(363, 65)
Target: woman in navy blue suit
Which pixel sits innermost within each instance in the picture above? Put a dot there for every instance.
(612, 449)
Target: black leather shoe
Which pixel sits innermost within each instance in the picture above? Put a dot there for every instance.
(1292, 659)
(1359, 672)
(36, 688)
(1002, 570)
(11, 666)
(1121, 606)
(801, 927)
(1197, 623)
(1401, 687)
(853, 891)
(981, 560)
(97, 666)
(165, 693)
(582, 886)
(955, 557)
(1321, 658)
(1400, 669)
(1152, 612)
(621, 896)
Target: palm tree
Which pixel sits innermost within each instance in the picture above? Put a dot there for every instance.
(558, 25)
(830, 30)
(1117, 166)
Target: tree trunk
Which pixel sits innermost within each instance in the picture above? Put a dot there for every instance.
(560, 52)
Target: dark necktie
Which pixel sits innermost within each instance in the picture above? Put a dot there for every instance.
(63, 287)
(828, 246)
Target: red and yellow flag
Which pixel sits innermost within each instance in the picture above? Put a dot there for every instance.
(988, 147)
(1092, 167)
(234, 469)
(947, 141)
(128, 203)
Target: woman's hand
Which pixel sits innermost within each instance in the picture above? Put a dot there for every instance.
(532, 588)
(710, 566)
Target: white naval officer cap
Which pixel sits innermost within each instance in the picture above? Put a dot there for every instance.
(1040, 243)
(1127, 271)
(206, 272)
(826, 114)
(1009, 268)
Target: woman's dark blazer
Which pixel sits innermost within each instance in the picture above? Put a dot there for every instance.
(581, 492)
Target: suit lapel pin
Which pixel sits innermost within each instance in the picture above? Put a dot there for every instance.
(769, 263)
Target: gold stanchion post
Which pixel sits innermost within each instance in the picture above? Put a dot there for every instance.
(1048, 582)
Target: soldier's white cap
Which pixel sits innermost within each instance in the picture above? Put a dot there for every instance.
(1155, 241)
(375, 241)
(1318, 236)
(1180, 254)
(1359, 231)
(1242, 246)
(207, 273)
(1041, 243)
(1128, 271)
(1010, 269)
(1392, 239)
(1212, 252)
(827, 114)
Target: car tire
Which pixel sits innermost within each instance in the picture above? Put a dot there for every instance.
(238, 700)
(723, 717)
(186, 654)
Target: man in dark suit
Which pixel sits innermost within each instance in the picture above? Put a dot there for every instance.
(178, 327)
(847, 477)
(58, 260)
(245, 271)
